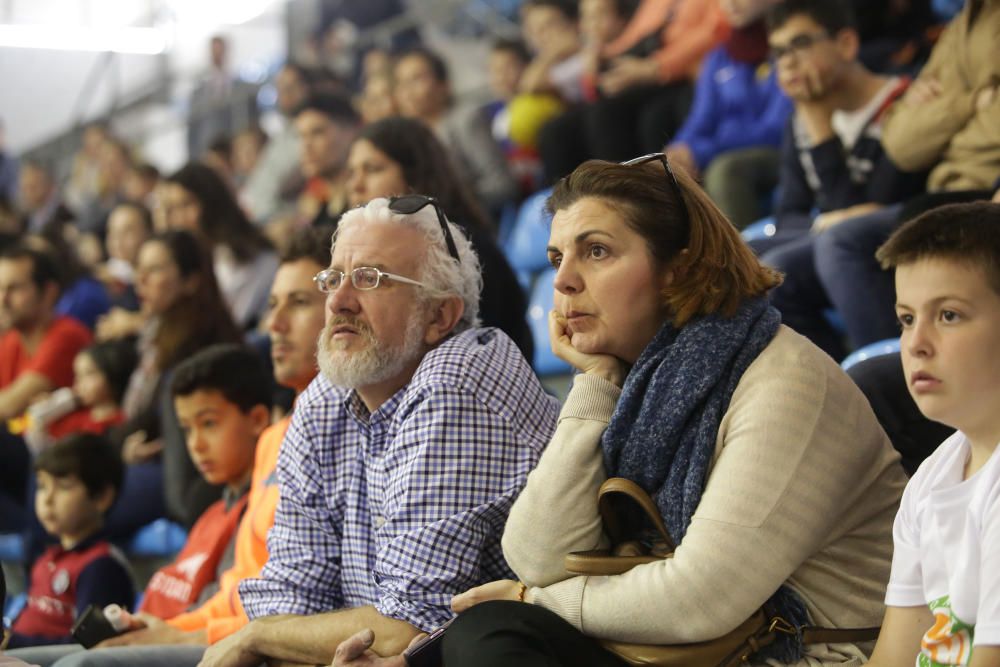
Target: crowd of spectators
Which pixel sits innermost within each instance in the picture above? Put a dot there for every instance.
(310, 350)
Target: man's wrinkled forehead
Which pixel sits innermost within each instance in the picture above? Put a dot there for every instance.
(384, 245)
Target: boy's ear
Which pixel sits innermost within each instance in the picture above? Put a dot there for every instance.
(848, 44)
(260, 418)
(105, 498)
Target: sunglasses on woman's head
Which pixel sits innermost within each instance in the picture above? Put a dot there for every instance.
(410, 204)
(660, 157)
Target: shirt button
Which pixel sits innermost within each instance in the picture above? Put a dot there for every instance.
(379, 521)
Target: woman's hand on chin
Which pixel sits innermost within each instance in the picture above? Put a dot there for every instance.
(604, 366)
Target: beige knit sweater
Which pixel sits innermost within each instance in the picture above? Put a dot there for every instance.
(803, 489)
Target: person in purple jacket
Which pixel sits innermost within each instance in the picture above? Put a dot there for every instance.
(731, 137)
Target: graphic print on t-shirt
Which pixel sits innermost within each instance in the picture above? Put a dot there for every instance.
(949, 641)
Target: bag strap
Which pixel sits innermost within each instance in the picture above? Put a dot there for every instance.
(619, 486)
(770, 629)
(816, 635)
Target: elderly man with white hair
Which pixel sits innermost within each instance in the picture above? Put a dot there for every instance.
(403, 457)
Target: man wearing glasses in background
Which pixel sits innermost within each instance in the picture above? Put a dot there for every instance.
(403, 457)
(832, 161)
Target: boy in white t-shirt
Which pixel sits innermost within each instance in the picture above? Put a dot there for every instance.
(943, 599)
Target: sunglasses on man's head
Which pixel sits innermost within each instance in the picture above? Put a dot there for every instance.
(410, 204)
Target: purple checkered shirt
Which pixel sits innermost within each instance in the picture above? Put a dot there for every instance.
(404, 507)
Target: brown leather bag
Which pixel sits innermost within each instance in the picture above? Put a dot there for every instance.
(633, 545)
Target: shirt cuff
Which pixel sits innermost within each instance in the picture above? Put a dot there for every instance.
(564, 598)
(905, 596)
(591, 398)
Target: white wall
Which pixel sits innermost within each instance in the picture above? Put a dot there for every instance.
(40, 89)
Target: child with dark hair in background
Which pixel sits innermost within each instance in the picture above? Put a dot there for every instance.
(222, 398)
(93, 404)
(129, 225)
(77, 481)
(507, 63)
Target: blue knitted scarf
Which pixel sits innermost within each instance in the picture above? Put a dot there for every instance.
(663, 432)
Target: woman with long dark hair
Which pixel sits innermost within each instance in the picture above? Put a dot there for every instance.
(197, 199)
(185, 312)
(398, 156)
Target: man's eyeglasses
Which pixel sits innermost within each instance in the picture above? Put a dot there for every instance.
(797, 45)
(363, 278)
(660, 157)
(410, 204)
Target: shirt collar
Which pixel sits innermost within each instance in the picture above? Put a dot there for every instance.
(230, 497)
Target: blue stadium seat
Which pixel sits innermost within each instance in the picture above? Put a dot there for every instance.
(160, 539)
(877, 349)
(761, 229)
(525, 247)
(539, 305)
(11, 548)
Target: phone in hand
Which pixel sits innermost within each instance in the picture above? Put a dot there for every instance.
(93, 627)
(427, 651)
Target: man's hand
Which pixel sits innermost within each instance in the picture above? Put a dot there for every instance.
(922, 91)
(830, 219)
(119, 323)
(355, 651)
(136, 449)
(627, 72)
(504, 589)
(155, 632)
(986, 97)
(233, 651)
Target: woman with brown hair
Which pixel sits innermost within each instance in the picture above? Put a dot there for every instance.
(196, 198)
(184, 312)
(764, 461)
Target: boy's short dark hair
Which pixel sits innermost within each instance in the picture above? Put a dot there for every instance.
(832, 15)
(43, 265)
(336, 106)
(312, 243)
(116, 359)
(964, 233)
(235, 371)
(89, 457)
(515, 47)
(569, 8)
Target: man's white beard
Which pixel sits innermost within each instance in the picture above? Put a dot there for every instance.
(376, 362)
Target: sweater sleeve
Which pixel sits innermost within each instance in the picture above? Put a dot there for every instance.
(916, 135)
(556, 512)
(778, 494)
